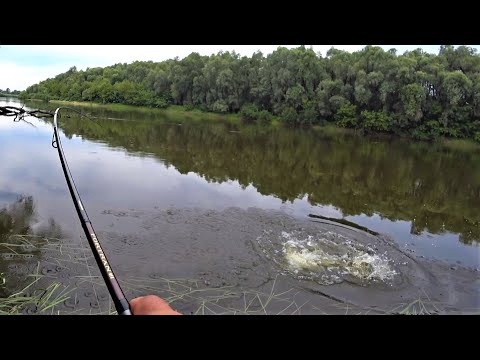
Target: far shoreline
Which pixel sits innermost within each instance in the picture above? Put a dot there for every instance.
(196, 114)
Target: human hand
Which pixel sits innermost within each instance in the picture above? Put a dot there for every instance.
(151, 305)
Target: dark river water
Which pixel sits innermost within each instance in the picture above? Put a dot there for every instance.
(220, 218)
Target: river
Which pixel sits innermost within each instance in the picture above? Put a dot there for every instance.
(222, 218)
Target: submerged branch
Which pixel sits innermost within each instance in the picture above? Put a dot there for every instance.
(20, 113)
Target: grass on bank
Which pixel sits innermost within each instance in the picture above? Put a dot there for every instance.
(175, 110)
(35, 298)
(31, 299)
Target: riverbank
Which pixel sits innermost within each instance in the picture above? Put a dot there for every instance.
(330, 129)
(172, 110)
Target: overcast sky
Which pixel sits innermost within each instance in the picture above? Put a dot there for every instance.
(25, 65)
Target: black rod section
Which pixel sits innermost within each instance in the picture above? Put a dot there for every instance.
(121, 303)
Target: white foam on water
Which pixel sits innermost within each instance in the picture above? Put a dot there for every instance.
(321, 257)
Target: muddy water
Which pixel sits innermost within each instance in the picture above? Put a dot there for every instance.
(214, 217)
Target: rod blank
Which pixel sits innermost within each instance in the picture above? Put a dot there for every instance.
(121, 303)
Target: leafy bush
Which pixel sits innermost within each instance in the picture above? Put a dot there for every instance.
(220, 106)
(289, 116)
(264, 117)
(375, 120)
(346, 116)
(249, 113)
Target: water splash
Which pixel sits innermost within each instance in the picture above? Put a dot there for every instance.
(327, 258)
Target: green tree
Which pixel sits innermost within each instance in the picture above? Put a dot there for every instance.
(419, 92)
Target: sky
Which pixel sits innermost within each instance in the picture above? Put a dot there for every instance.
(25, 65)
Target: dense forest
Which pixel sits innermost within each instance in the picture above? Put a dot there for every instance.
(9, 92)
(417, 94)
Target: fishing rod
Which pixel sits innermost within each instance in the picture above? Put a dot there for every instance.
(121, 303)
